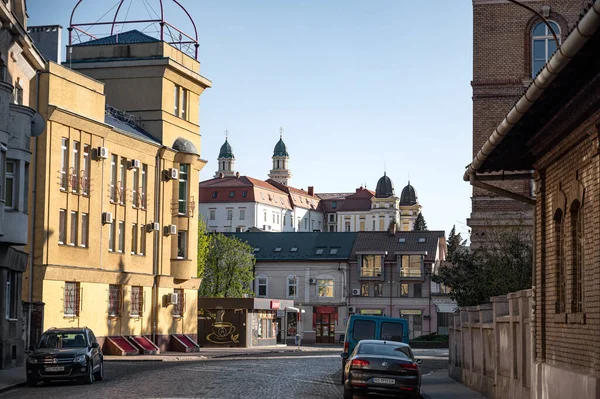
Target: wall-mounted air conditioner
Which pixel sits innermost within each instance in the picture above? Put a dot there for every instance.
(107, 218)
(172, 174)
(173, 299)
(171, 229)
(134, 164)
(101, 153)
(355, 292)
(154, 226)
(351, 309)
(312, 281)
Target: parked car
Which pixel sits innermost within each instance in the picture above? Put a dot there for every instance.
(372, 327)
(65, 354)
(385, 367)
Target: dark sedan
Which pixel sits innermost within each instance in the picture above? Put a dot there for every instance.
(65, 354)
(385, 367)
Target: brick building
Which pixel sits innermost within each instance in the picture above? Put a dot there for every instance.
(509, 47)
(554, 130)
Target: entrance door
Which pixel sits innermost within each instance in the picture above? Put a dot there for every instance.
(325, 328)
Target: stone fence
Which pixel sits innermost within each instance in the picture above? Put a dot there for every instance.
(490, 346)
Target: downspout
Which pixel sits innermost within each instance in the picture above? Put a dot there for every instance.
(576, 40)
(155, 260)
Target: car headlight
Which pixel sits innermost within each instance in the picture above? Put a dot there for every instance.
(32, 360)
(79, 359)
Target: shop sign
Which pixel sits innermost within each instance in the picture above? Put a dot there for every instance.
(377, 312)
(411, 311)
(275, 305)
(326, 309)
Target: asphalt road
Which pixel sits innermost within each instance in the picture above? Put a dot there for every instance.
(281, 376)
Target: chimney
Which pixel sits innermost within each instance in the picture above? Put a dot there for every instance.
(47, 40)
(221, 175)
(311, 190)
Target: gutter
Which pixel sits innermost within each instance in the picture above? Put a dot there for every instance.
(157, 237)
(584, 30)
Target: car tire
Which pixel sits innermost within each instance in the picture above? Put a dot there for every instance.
(99, 376)
(89, 379)
(31, 382)
(348, 394)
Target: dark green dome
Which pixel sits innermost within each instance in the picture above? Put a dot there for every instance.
(385, 187)
(408, 196)
(226, 151)
(280, 149)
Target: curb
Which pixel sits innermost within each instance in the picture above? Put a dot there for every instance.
(13, 386)
(176, 359)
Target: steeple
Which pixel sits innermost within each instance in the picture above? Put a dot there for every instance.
(281, 158)
(226, 159)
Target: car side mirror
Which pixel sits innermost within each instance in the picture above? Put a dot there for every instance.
(95, 345)
(344, 355)
(419, 361)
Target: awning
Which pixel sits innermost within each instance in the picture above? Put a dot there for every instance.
(293, 309)
(445, 307)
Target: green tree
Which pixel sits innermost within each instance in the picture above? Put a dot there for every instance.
(501, 265)
(455, 241)
(228, 268)
(420, 224)
(203, 246)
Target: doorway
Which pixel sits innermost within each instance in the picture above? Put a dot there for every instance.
(325, 328)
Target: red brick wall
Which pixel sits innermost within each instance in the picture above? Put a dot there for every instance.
(501, 72)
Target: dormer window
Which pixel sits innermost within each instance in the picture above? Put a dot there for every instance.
(402, 240)
(278, 249)
(215, 194)
(422, 239)
(333, 251)
(256, 249)
(319, 251)
(294, 249)
(231, 194)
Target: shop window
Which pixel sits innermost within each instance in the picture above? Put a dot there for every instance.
(292, 324)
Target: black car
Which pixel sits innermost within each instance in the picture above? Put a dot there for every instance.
(65, 354)
(385, 367)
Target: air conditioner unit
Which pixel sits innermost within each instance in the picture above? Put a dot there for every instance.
(173, 174)
(134, 164)
(107, 218)
(102, 153)
(154, 226)
(174, 299)
(355, 292)
(351, 309)
(171, 229)
(312, 281)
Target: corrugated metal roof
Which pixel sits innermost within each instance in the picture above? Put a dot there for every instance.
(130, 37)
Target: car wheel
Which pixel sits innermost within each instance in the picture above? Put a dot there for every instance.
(31, 382)
(89, 379)
(348, 394)
(99, 376)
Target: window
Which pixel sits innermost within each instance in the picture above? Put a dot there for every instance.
(181, 244)
(64, 164)
(179, 307)
(11, 168)
(273, 217)
(111, 237)
(333, 251)
(142, 240)
(331, 218)
(404, 290)
(262, 195)
(421, 240)
(379, 289)
(211, 214)
(577, 251)
(144, 186)
(319, 251)
(18, 95)
(71, 299)
(123, 181)
(114, 300)
(333, 205)
(371, 265)
(561, 283)
(134, 231)
(85, 178)
(277, 249)
(3, 70)
(231, 194)
(137, 301)
(135, 193)
(242, 214)
(543, 45)
(121, 236)
(84, 230)
(292, 287)
(364, 289)
(113, 178)
(265, 215)
(244, 194)
(410, 265)
(12, 298)
(26, 189)
(347, 225)
(75, 167)
(62, 226)
(176, 102)
(417, 290)
(183, 188)
(277, 218)
(363, 329)
(74, 225)
(2, 168)
(294, 249)
(261, 283)
(305, 224)
(184, 103)
(229, 214)
(325, 288)
(215, 194)
(391, 332)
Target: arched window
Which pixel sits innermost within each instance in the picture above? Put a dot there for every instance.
(577, 251)
(261, 285)
(561, 279)
(543, 45)
(292, 286)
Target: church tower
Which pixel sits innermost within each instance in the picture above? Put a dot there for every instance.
(280, 172)
(225, 161)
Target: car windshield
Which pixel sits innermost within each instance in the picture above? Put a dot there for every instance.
(63, 340)
(384, 350)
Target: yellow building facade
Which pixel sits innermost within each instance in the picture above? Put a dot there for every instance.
(114, 212)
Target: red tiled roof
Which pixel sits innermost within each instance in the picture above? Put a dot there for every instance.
(242, 189)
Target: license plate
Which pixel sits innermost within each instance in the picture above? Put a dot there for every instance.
(384, 380)
(55, 368)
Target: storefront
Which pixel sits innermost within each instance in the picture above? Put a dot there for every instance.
(240, 322)
(415, 321)
(324, 322)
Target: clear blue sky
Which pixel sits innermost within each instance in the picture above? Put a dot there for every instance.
(356, 85)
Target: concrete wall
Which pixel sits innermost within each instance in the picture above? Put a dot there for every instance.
(490, 347)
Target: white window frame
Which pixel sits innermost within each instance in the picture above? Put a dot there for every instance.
(242, 213)
(325, 281)
(259, 284)
(114, 160)
(75, 166)
(144, 186)
(229, 213)
(62, 226)
(134, 234)
(123, 181)
(85, 221)
(64, 164)
(184, 182)
(184, 103)
(182, 245)
(292, 281)
(121, 237)
(14, 189)
(547, 38)
(142, 240)
(74, 235)
(176, 100)
(212, 214)
(85, 179)
(111, 237)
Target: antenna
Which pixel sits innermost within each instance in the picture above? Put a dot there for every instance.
(226, 134)
(281, 133)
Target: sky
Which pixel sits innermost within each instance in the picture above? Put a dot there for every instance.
(359, 87)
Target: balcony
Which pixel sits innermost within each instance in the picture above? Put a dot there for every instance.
(183, 269)
(412, 274)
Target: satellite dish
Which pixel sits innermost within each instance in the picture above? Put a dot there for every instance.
(38, 124)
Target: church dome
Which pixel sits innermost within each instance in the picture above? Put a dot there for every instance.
(280, 149)
(385, 187)
(408, 196)
(226, 151)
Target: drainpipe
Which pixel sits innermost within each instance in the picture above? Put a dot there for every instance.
(155, 260)
(576, 40)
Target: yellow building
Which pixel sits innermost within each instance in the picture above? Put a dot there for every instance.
(115, 219)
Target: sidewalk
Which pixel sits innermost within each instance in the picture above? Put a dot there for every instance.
(438, 385)
(11, 378)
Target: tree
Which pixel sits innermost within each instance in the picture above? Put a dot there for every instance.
(228, 268)
(455, 241)
(501, 266)
(203, 246)
(420, 224)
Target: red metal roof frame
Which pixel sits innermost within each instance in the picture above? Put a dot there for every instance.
(162, 22)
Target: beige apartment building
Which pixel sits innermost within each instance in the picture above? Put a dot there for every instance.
(115, 214)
